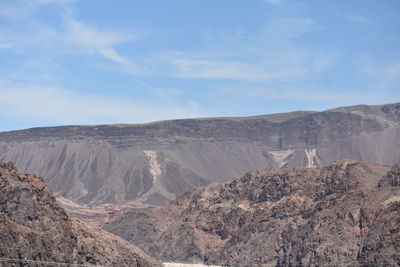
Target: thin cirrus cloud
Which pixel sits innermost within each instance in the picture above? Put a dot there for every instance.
(205, 69)
(18, 9)
(381, 74)
(316, 96)
(100, 42)
(274, 2)
(285, 29)
(60, 106)
(276, 56)
(22, 10)
(360, 19)
(70, 35)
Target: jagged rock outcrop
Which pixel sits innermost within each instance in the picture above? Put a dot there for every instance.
(380, 225)
(36, 231)
(347, 213)
(392, 178)
(156, 162)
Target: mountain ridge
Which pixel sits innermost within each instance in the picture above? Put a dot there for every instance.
(262, 116)
(95, 165)
(344, 213)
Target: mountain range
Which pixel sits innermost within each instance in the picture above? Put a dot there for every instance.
(154, 163)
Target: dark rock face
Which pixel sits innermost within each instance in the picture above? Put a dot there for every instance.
(34, 229)
(392, 178)
(154, 163)
(335, 215)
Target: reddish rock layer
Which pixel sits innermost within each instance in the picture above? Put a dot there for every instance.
(346, 213)
(35, 229)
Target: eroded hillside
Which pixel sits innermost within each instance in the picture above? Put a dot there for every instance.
(343, 214)
(36, 231)
(154, 163)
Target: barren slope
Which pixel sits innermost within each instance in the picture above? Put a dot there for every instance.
(154, 163)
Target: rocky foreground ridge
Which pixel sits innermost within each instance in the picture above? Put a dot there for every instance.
(36, 231)
(347, 213)
(154, 163)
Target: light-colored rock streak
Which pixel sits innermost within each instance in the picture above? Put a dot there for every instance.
(311, 155)
(391, 200)
(154, 166)
(281, 156)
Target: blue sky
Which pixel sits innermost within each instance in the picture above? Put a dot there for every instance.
(133, 61)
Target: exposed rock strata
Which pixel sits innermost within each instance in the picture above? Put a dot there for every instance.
(35, 230)
(344, 214)
(95, 165)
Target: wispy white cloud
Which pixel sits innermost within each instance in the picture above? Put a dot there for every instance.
(321, 61)
(81, 33)
(393, 71)
(169, 94)
(11, 10)
(60, 106)
(23, 9)
(274, 2)
(205, 69)
(272, 56)
(69, 35)
(382, 74)
(5, 45)
(309, 95)
(289, 28)
(100, 42)
(360, 19)
(56, 2)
